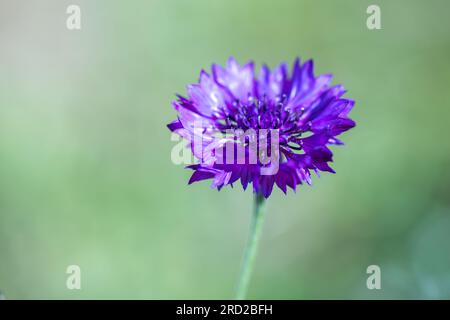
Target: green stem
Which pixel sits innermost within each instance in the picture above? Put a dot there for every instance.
(252, 246)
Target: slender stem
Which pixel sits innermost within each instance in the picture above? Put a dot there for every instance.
(252, 246)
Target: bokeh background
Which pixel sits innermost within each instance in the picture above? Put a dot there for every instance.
(86, 176)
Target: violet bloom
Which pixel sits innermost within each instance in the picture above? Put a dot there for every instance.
(306, 112)
(274, 129)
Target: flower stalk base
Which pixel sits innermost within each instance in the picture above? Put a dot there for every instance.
(252, 246)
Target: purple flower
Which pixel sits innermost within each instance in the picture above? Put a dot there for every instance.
(289, 119)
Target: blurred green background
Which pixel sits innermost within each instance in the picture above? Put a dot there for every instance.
(86, 176)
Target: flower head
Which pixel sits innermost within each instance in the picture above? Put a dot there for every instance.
(265, 130)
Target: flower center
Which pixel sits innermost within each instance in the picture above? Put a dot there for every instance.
(257, 113)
